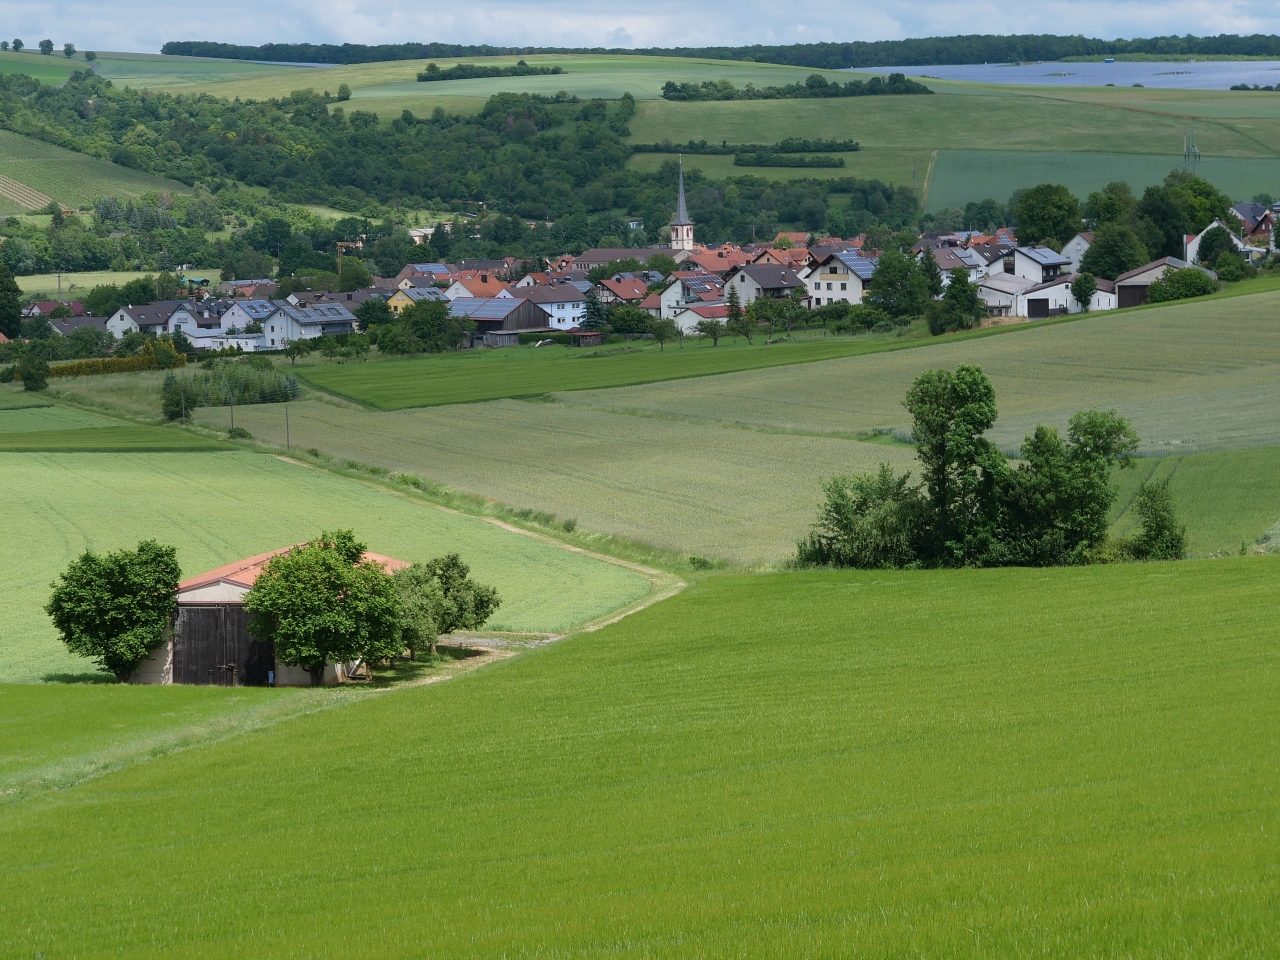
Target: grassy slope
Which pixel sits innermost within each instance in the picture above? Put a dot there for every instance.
(219, 507)
(73, 178)
(971, 764)
(51, 69)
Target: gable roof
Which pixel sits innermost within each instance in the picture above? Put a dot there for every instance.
(771, 277)
(1045, 257)
(153, 314)
(245, 573)
(556, 293)
(1172, 263)
(256, 309)
(486, 308)
(322, 312)
(421, 293)
(626, 288)
(860, 266)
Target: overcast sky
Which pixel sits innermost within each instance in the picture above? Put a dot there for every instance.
(143, 25)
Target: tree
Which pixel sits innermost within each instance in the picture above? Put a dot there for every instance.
(1113, 204)
(68, 50)
(1083, 288)
(18, 45)
(139, 291)
(90, 56)
(1213, 244)
(421, 603)
(10, 304)
(1160, 535)
(167, 286)
(1161, 222)
(1047, 213)
(293, 349)
(597, 317)
(662, 330)
(131, 344)
(628, 320)
(1229, 266)
(34, 371)
(661, 263)
(373, 312)
(322, 603)
(453, 600)
(733, 307)
(1181, 285)
(344, 93)
(431, 324)
(46, 47)
(1201, 201)
(960, 307)
(931, 273)
(898, 287)
(712, 327)
(960, 467)
(116, 608)
(353, 275)
(1115, 249)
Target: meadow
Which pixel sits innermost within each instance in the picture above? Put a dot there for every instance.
(219, 507)
(966, 764)
(73, 179)
(75, 285)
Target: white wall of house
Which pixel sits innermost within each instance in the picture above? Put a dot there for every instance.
(1075, 249)
(831, 283)
(747, 289)
(120, 323)
(1060, 296)
(565, 315)
(1250, 252)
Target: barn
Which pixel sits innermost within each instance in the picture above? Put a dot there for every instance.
(210, 642)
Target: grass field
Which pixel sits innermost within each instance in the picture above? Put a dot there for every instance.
(963, 175)
(57, 429)
(49, 69)
(71, 178)
(219, 507)
(75, 285)
(968, 765)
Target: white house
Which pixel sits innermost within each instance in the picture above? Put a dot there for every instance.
(1000, 293)
(288, 322)
(244, 312)
(958, 258)
(1192, 244)
(1037, 264)
(838, 277)
(150, 318)
(1075, 249)
(563, 302)
(688, 317)
(689, 288)
(1055, 298)
(763, 280)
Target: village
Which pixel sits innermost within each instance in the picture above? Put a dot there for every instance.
(702, 283)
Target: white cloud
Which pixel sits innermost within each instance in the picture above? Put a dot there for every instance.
(143, 25)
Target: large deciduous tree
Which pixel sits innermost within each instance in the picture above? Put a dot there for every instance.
(116, 608)
(1115, 249)
(960, 307)
(1047, 214)
(898, 287)
(322, 603)
(1083, 288)
(10, 304)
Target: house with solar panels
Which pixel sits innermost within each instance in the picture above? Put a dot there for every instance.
(839, 277)
(500, 320)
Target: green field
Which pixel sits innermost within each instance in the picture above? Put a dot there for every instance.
(56, 429)
(73, 179)
(219, 507)
(973, 764)
(960, 176)
(75, 285)
(49, 69)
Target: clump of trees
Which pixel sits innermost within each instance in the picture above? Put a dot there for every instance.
(116, 608)
(425, 327)
(227, 381)
(973, 507)
(1181, 285)
(323, 603)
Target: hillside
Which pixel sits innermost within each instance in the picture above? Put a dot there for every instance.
(962, 764)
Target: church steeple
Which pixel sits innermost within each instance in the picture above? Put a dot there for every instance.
(681, 226)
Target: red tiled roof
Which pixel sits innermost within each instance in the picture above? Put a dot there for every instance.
(626, 288)
(244, 573)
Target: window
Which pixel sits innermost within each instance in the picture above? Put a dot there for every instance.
(844, 286)
(817, 286)
(828, 286)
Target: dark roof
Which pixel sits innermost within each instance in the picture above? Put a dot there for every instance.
(1172, 263)
(151, 314)
(65, 325)
(559, 293)
(860, 266)
(682, 212)
(322, 312)
(423, 293)
(485, 308)
(771, 276)
(1045, 257)
(610, 254)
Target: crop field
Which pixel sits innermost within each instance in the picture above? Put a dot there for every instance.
(76, 285)
(71, 178)
(968, 764)
(960, 176)
(219, 507)
(45, 69)
(474, 376)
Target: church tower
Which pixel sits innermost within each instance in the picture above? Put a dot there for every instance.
(681, 226)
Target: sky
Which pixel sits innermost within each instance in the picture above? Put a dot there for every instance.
(143, 25)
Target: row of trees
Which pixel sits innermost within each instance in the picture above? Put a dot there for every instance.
(973, 507)
(320, 603)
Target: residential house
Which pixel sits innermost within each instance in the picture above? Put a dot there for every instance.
(999, 291)
(841, 276)
(420, 270)
(1075, 249)
(152, 318)
(401, 300)
(719, 259)
(689, 288)
(305, 322)
(652, 305)
(503, 269)
(1055, 298)
(1257, 224)
(1131, 287)
(65, 325)
(764, 280)
(623, 288)
(687, 318)
(476, 285)
(1191, 244)
(564, 303)
(794, 257)
(42, 308)
(248, 289)
(1036, 263)
(958, 258)
(601, 256)
(240, 314)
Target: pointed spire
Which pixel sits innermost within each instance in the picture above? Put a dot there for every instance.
(682, 212)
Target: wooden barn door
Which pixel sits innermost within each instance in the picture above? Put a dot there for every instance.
(212, 646)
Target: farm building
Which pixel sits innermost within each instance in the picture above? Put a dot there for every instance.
(1131, 287)
(210, 642)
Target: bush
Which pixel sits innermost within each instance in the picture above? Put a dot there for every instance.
(1181, 285)
(1161, 536)
(34, 372)
(869, 521)
(239, 433)
(226, 382)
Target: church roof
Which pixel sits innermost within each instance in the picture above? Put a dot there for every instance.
(682, 211)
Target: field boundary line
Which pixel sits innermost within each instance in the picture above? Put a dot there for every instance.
(661, 584)
(928, 180)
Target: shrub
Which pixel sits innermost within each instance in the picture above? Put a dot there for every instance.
(1161, 536)
(869, 521)
(33, 371)
(239, 433)
(226, 382)
(1181, 285)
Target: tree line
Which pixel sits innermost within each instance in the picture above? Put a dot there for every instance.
(815, 86)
